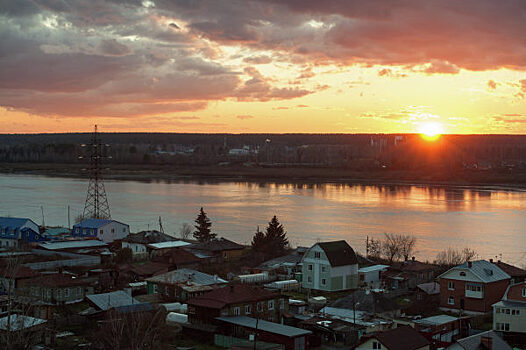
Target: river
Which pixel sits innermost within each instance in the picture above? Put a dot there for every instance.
(490, 220)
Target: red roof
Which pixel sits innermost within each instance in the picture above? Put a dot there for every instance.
(148, 269)
(413, 266)
(232, 294)
(511, 270)
(400, 338)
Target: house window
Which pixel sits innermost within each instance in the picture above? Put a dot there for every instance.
(101, 232)
(66, 292)
(462, 273)
(377, 345)
(260, 306)
(524, 292)
(503, 326)
(271, 304)
(309, 279)
(124, 230)
(451, 285)
(48, 293)
(507, 311)
(236, 311)
(451, 301)
(247, 309)
(323, 268)
(112, 230)
(281, 304)
(317, 255)
(323, 281)
(271, 318)
(309, 267)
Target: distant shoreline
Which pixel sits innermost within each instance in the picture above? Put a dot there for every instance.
(276, 175)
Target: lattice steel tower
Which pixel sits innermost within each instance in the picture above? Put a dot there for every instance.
(96, 201)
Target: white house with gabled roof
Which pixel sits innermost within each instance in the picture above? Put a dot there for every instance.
(102, 229)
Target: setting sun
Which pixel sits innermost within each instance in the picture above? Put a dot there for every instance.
(431, 130)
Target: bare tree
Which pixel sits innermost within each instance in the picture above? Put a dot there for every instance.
(133, 330)
(397, 246)
(185, 231)
(375, 248)
(453, 257)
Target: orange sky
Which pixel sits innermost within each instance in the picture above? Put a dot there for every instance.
(263, 66)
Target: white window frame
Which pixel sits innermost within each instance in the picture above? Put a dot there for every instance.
(377, 344)
(270, 305)
(323, 282)
(524, 292)
(451, 285)
(248, 309)
(237, 311)
(451, 301)
(317, 255)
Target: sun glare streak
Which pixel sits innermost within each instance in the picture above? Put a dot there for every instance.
(431, 131)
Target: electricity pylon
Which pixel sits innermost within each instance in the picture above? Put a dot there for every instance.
(96, 201)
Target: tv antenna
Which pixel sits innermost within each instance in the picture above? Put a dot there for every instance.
(96, 205)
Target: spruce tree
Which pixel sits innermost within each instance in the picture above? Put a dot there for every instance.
(259, 242)
(203, 232)
(275, 237)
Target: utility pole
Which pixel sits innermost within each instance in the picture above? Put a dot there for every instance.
(43, 221)
(96, 205)
(69, 220)
(161, 225)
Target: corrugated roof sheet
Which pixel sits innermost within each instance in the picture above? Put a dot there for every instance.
(474, 342)
(92, 223)
(233, 294)
(14, 222)
(402, 338)
(373, 268)
(106, 301)
(170, 244)
(184, 275)
(217, 245)
(436, 320)
(87, 243)
(265, 326)
(430, 288)
(486, 271)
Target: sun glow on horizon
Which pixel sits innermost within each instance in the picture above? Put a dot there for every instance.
(431, 131)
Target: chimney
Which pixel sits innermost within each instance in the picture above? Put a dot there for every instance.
(491, 261)
(413, 258)
(487, 342)
(469, 264)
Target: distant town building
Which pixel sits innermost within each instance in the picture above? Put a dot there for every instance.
(329, 267)
(16, 230)
(509, 314)
(517, 274)
(370, 276)
(102, 229)
(472, 287)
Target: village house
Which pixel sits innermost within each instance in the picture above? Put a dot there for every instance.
(488, 340)
(178, 258)
(134, 272)
(13, 231)
(237, 300)
(102, 229)
(24, 331)
(138, 242)
(442, 330)
(49, 290)
(408, 274)
(243, 327)
(182, 284)
(330, 267)
(472, 287)
(509, 314)
(400, 338)
(163, 248)
(517, 274)
(12, 276)
(91, 246)
(370, 276)
(374, 303)
(217, 250)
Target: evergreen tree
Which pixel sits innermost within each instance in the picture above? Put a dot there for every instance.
(203, 232)
(275, 237)
(259, 242)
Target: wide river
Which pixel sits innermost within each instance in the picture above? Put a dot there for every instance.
(490, 220)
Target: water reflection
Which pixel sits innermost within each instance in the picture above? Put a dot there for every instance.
(488, 219)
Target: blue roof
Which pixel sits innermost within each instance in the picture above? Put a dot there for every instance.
(93, 223)
(13, 222)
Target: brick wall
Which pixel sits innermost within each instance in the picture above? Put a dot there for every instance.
(493, 292)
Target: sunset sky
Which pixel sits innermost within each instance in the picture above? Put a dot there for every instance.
(263, 66)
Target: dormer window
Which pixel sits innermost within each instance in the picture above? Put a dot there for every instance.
(317, 255)
(462, 273)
